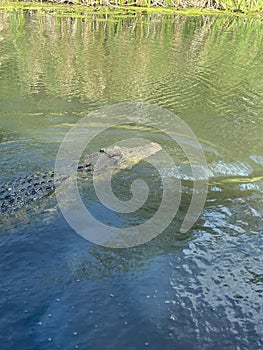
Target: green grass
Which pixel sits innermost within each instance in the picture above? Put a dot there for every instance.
(190, 7)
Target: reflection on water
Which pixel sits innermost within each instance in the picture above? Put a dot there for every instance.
(202, 290)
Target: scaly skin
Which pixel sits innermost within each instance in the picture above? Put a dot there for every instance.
(23, 191)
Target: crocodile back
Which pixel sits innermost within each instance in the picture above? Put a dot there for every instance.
(25, 190)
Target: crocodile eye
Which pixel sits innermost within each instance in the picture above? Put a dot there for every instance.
(102, 150)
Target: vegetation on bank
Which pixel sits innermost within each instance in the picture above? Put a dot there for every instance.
(234, 6)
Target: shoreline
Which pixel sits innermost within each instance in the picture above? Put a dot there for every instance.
(83, 10)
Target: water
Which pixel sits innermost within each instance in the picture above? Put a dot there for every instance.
(200, 290)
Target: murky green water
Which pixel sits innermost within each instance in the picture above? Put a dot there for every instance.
(200, 290)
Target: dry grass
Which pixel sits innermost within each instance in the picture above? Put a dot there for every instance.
(230, 5)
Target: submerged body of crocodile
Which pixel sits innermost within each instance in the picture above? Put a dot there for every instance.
(33, 187)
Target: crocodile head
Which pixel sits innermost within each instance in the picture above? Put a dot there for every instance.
(119, 157)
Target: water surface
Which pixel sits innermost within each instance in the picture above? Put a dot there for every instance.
(200, 290)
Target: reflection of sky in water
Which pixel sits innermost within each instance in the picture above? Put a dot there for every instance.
(203, 290)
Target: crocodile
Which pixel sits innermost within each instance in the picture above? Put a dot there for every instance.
(22, 191)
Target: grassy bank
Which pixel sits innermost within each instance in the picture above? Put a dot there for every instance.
(247, 7)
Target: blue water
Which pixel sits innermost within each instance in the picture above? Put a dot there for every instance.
(200, 290)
